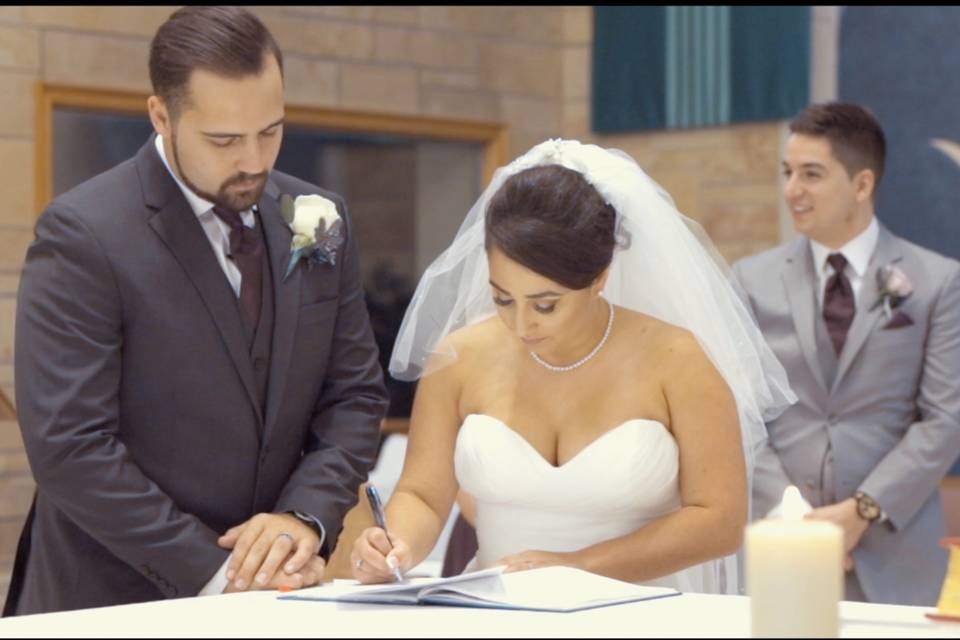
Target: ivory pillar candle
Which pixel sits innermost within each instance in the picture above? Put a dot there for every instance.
(794, 573)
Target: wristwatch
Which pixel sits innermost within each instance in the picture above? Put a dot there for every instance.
(867, 507)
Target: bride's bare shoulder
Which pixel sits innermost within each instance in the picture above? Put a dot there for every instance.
(469, 346)
(474, 336)
(657, 336)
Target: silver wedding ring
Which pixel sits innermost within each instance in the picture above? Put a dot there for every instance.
(286, 535)
(360, 563)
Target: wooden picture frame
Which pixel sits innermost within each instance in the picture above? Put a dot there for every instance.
(492, 136)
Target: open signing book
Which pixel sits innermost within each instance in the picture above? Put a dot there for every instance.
(549, 589)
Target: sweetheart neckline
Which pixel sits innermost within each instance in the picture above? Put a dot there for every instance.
(577, 455)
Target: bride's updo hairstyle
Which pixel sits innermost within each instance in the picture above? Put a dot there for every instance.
(549, 219)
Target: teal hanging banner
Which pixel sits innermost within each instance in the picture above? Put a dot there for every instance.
(770, 54)
(674, 67)
(698, 66)
(628, 69)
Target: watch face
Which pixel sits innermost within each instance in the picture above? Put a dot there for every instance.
(867, 508)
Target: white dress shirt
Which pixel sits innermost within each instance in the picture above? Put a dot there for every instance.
(857, 252)
(218, 233)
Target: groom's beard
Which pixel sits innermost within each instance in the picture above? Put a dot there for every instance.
(235, 202)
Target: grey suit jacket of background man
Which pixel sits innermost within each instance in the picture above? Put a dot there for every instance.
(139, 401)
(891, 417)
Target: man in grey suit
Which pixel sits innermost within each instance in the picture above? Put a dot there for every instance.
(875, 365)
(182, 396)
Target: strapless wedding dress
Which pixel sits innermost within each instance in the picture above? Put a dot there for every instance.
(618, 483)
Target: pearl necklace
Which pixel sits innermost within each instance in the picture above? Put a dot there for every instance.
(581, 361)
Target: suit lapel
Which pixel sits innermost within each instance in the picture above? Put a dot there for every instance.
(799, 280)
(865, 320)
(286, 299)
(177, 225)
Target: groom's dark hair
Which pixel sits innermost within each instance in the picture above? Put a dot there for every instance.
(555, 223)
(855, 135)
(227, 41)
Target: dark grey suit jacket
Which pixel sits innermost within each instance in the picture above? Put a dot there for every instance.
(137, 398)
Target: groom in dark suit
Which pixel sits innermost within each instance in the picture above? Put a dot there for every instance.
(196, 419)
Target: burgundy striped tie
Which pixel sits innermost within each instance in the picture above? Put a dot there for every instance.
(246, 251)
(838, 303)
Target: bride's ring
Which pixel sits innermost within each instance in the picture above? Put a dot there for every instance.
(360, 563)
(286, 535)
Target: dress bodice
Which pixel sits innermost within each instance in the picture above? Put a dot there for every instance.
(615, 485)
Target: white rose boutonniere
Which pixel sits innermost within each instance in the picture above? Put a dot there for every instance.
(316, 229)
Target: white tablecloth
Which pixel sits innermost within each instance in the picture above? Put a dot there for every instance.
(260, 614)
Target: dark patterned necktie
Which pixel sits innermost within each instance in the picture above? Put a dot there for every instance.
(838, 303)
(246, 251)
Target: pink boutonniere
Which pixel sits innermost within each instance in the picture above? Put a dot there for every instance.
(893, 288)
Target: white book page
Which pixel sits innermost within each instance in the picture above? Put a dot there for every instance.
(488, 589)
(560, 588)
(352, 590)
(406, 591)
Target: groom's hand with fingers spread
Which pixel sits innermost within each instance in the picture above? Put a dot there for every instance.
(264, 542)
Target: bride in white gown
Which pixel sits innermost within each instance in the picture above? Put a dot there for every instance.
(588, 375)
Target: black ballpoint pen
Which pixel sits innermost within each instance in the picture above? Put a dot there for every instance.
(376, 505)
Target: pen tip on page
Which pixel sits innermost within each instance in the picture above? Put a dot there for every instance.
(394, 566)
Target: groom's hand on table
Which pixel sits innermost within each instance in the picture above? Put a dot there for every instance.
(265, 542)
(310, 575)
